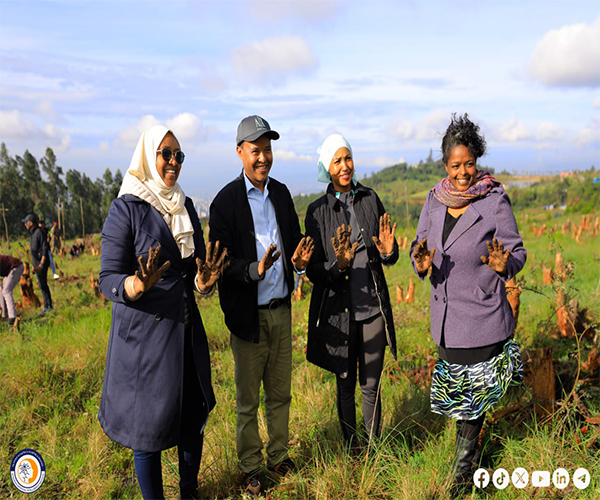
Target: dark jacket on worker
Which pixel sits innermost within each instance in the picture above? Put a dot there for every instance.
(231, 223)
(143, 382)
(329, 313)
(38, 241)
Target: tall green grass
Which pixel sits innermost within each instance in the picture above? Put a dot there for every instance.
(51, 374)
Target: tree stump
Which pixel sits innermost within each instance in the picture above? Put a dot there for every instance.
(540, 377)
(30, 299)
(513, 294)
(399, 294)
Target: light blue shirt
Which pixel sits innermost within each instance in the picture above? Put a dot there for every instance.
(266, 232)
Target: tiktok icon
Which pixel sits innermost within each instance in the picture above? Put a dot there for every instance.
(501, 478)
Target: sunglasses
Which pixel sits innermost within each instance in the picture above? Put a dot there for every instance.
(167, 154)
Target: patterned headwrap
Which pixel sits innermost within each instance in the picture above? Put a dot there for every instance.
(445, 192)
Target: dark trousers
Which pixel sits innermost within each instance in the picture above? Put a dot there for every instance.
(42, 278)
(148, 464)
(366, 346)
(149, 471)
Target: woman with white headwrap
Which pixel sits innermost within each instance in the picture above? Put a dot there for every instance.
(350, 317)
(157, 390)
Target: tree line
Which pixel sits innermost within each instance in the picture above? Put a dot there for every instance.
(71, 199)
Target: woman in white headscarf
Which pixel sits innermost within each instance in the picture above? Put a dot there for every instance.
(350, 317)
(157, 390)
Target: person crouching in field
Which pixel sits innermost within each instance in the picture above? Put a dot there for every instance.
(11, 270)
(157, 385)
(468, 236)
(350, 317)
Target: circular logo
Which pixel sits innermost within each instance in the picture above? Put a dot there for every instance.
(481, 478)
(27, 470)
(581, 478)
(501, 478)
(560, 478)
(520, 477)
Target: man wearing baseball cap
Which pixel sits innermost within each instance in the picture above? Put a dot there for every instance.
(38, 243)
(254, 218)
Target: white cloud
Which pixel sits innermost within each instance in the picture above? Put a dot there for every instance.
(104, 146)
(283, 155)
(548, 131)
(512, 131)
(130, 136)
(569, 56)
(596, 103)
(184, 125)
(427, 129)
(13, 125)
(309, 10)
(273, 59)
(384, 161)
(590, 134)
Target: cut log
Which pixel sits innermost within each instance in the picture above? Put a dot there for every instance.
(513, 294)
(593, 362)
(411, 292)
(547, 274)
(30, 299)
(540, 377)
(399, 294)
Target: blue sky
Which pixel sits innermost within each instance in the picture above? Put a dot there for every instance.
(87, 77)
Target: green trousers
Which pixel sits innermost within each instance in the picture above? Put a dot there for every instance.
(269, 362)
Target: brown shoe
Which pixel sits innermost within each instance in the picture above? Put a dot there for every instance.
(251, 482)
(283, 468)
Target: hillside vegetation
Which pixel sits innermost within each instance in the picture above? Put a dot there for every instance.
(51, 372)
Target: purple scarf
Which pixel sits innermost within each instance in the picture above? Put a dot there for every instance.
(445, 192)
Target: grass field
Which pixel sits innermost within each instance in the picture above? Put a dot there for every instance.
(51, 374)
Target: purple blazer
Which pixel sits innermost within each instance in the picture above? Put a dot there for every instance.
(468, 300)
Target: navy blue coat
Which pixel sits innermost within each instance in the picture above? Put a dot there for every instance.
(143, 381)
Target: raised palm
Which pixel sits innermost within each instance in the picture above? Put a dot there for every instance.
(422, 256)
(387, 235)
(344, 251)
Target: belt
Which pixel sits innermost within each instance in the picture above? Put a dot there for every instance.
(275, 303)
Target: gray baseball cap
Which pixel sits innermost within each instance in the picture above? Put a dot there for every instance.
(30, 217)
(253, 127)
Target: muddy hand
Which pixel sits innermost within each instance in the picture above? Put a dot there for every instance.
(269, 258)
(497, 258)
(303, 253)
(422, 256)
(212, 269)
(148, 274)
(387, 235)
(344, 252)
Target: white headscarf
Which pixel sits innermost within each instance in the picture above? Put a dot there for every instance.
(326, 153)
(143, 180)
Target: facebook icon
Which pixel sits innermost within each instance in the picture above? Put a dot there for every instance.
(481, 478)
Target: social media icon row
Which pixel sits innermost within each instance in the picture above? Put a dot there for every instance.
(539, 478)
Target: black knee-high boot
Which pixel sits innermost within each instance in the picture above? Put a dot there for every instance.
(467, 450)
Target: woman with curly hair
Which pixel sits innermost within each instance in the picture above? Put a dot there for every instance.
(468, 236)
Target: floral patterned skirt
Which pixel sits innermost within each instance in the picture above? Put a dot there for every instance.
(465, 392)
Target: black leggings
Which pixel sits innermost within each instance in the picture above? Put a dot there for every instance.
(366, 346)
